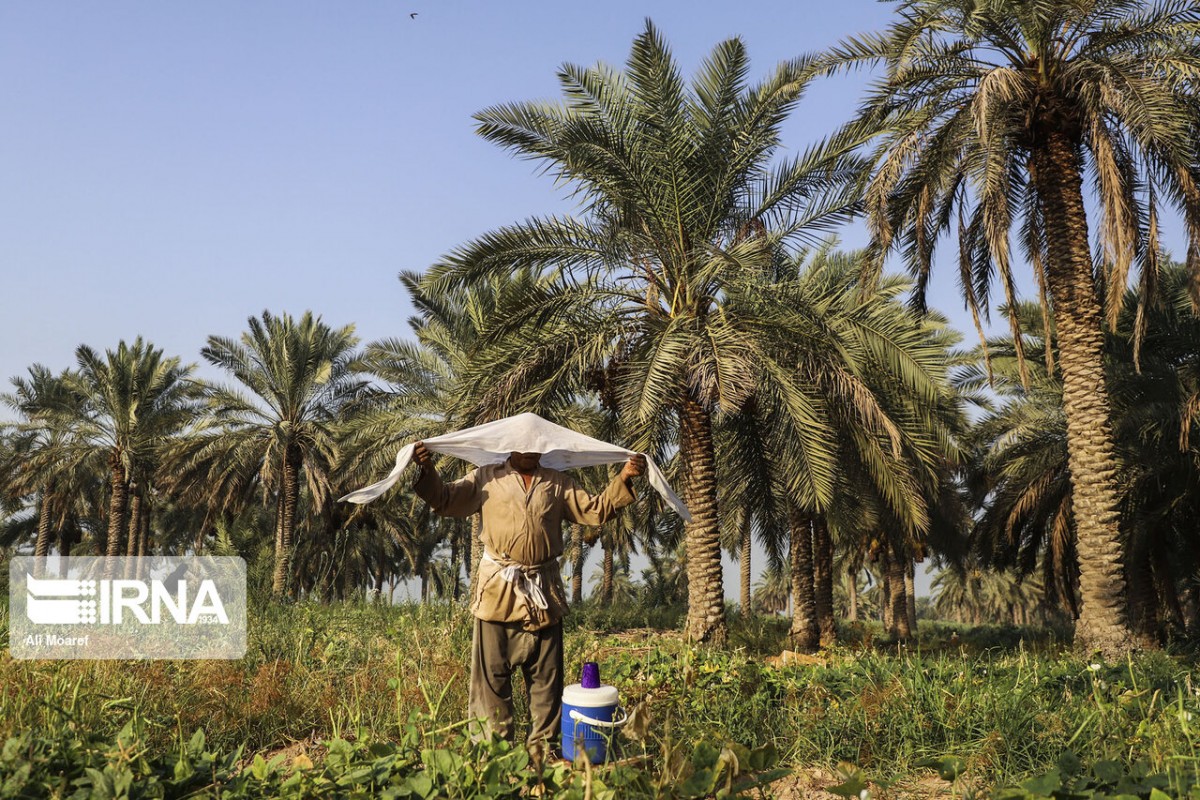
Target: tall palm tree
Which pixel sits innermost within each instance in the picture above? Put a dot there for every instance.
(665, 580)
(135, 401)
(773, 590)
(300, 373)
(806, 629)
(576, 554)
(42, 460)
(823, 559)
(682, 209)
(852, 595)
(904, 495)
(737, 538)
(876, 373)
(1019, 473)
(621, 588)
(977, 596)
(988, 112)
(1157, 397)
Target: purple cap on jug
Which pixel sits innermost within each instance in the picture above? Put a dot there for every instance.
(591, 675)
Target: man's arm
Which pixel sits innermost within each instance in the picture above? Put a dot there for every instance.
(459, 499)
(586, 509)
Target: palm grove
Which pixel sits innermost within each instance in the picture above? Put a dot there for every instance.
(694, 309)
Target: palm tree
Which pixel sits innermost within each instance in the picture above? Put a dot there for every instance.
(665, 580)
(682, 209)
(300, 374)
(977, 596)
(620, 586)
(737, 539)
(1019, 472)
(991, 111)
(134, 401)
(823, 559)
(576, 553)
(773, 590)
(852, 595)
(753, 491)
(959, 595)
(876, 374)
(1157, 397)
(42, 460)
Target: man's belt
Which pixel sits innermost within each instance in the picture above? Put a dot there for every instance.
(526, 580)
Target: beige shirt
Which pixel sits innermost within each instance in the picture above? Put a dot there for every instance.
(523, 527)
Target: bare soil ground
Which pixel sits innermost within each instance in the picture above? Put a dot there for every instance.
(812, 784)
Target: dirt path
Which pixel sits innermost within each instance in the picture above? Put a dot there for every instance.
(812, 783)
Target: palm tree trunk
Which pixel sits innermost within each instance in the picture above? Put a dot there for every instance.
(823, 581)
(289, 496)
(744, 564)
(885, 589)
(706, 591)
(278, 521)
(117, 504)
(1191, 605)
(143, 538)
(1164, 576)
(1091, 454)
(910, 593)
(454, 567)
(1143, 603)
(135, 525)
(468, 551)
(852, 594)
(201, 531)
(896, 573)
(577, 567)
(143, 547)
(41, 547)
(606, 587)
(806, 636)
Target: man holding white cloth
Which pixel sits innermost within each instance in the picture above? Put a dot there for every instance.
(518, 600)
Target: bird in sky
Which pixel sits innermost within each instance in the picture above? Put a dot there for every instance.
(413, 15)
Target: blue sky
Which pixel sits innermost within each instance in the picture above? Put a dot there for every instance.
(169, 169)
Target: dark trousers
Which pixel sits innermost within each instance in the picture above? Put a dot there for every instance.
(497, 648)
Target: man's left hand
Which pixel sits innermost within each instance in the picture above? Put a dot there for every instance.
(635, 466)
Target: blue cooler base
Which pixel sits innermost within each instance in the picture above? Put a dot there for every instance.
(580, 737)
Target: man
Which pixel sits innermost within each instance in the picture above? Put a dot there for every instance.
(518, 599)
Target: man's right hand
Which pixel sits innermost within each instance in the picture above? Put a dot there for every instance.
(421, 457)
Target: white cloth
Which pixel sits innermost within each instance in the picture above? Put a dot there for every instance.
(527, 583)
(491, 443)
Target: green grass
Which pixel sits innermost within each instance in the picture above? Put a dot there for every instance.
(371, 673)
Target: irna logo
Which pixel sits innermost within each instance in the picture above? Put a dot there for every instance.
(54, 601)
(136, 607)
